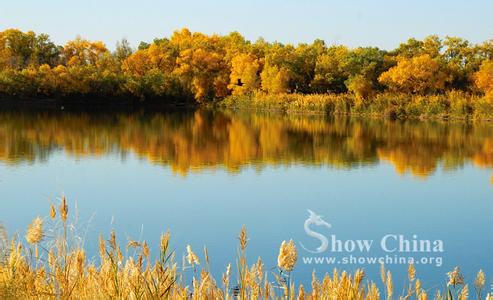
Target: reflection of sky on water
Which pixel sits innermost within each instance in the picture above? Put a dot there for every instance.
(209, 207)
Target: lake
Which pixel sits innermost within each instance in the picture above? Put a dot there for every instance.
(388, 189)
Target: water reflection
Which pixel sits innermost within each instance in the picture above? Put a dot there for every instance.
(193, 141)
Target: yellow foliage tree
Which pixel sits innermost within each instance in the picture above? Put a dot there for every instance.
(24, 49)
(421, 74)
(244, 76)
(484, 78)
(15, 48)
(144, 60)
(81, 52)
(361, 87)
(137, 63)
(331, 70)
(206, 72)
(201, 65)
(275, 80)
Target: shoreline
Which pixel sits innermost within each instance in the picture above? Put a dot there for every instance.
(445, 107)
(460, 107)
(93, 104)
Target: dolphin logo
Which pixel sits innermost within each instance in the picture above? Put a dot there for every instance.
(314, 219)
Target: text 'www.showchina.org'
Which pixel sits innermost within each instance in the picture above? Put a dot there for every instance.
(372, 260)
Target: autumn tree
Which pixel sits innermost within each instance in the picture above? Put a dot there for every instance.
(123, 50)
(154, 57)
(90, 69)
(331, 70)
(297, 63)
(275, 80)
(81, 52)
(20, 49)
(361, 87)
(461, 60)
(364, 66)
(204, 71)
(234, 44)
(149, 70)
(431, 45)
(201, 66)
(15, 48)
(485, 50)
(421, 74)
(244, 76)
(278, 74)
(303, 65)
(484, 78)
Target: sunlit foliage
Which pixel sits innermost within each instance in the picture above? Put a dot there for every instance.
(419, 74)
(275, 80)
(331, 70)
(244, 76)
(20, 49)
(81, 52)
(484, 78)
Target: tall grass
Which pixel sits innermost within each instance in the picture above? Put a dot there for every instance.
(51, 266)
(452, 104)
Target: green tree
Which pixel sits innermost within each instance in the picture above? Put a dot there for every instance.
(123, 50)
(331, 70)
(19, 50)
(364, 66)
(461, 60)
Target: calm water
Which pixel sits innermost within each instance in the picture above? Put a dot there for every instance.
(204, 174)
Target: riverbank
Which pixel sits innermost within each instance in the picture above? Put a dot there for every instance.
(450, 105)
(454, 105)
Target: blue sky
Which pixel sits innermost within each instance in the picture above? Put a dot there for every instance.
(380, 23)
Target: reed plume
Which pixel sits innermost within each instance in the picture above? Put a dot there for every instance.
(411, 272)
(63, 209)
(479, 283)
(34, 233)
(52, 212)
(389, 285)
(455, 277)
(243, 238)
(288, 255)
(192, 257)
(464, 293)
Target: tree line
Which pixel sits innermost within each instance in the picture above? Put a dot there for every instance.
(202, 68)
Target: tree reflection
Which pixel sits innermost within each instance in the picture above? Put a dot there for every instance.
(193, 141)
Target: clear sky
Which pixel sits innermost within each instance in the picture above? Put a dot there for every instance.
(382, 23)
